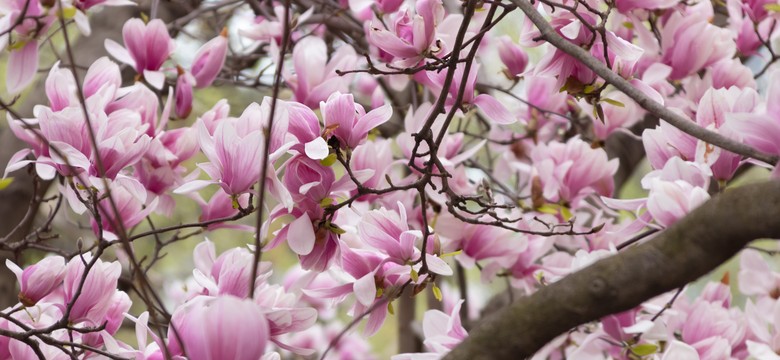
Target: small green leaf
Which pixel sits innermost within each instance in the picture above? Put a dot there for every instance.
(613, 102)
(390, 308)
(414, 275)
(236, 205)
(336, 229)
(436, 292)
(551, 209)
(329, 160)
(644, 349)
(628, 25)
(69, 13)
(772, 7)
(454, 253)
(326, 202)
(566, 213)
(5, 182)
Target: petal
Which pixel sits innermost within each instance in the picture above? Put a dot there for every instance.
(494, 110)
(301, 236)
(22, 65)
(155, 78)
(365, 289)
(317, 149)
(437, 265)
(119, 52)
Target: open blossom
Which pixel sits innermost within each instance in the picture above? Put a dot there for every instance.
(514, 58)
(489, 105)
(569, 171)
(95, 299)
(147, 47)
(315, 77)
(223, 327)
(38, 280)
(350, 121)
(692, 43)
(411, 35)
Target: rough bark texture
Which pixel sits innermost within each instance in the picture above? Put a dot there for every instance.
(692, 247)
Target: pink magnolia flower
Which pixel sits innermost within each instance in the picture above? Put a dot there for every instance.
(147, 48)
(224, 327)
(95, 298)
(626, 6)
(572, 170)
(622, 54)
(412, 35)
(184, 85)
(489, 244)
(490, 106)
(38, 280)
(130, 199)
(315, 77)
(513, 57)
(442, 333)
(23, 55)
(688, 34)
(209, 60)
(756, 277)
(673, 192)
(763, 322)
(388, 231)
(372, 274)
(221, 205)
(616, 117)
(350, 121)
(227, 274)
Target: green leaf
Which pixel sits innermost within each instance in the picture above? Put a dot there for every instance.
(613, 102)
(390, 308)
(414, 275)
(772, 7)
(5, 182)
(329, 160)
(69, 12)
(326, 202)
(551, 209)
(436, 292)
(566, 213)
(644, 349)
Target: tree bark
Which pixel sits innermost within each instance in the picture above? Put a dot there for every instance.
(689, 249)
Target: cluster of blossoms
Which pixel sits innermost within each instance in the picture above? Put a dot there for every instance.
(494, 164)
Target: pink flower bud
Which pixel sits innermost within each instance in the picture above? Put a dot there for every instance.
(209, 60)
(224, 327)
(38, 280)
(513, 57)
(184, 94)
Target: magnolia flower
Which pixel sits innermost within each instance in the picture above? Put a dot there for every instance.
(224, 327)
(96, 296)
(349, 120)
(514, 58)
(692, 43)
(147, 48)
(569, 171)
(38, 280)
(411, 36)
(315, 76)
(209, 60)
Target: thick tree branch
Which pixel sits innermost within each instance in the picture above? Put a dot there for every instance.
(692, 247)
(657, 109)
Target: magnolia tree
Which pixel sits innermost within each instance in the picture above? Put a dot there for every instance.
(396, 147)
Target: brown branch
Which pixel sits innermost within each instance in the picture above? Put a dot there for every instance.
(692, 247)
(657, 109)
